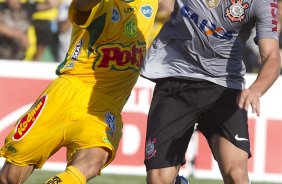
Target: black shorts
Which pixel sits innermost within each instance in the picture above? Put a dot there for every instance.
(176, 107)
(43, 32)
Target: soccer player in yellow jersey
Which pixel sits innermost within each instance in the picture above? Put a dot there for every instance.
(81, 109)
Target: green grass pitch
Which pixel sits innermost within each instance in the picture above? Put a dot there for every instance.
(40, 176)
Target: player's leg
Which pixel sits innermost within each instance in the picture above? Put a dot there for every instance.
(92, 137)
(37, 134)
(11, 173)
(225, 127)
(85, 165)
(21, 148)
(232, 160)
(163, 175)
(170, 126)
(166, 175)
(90, 161)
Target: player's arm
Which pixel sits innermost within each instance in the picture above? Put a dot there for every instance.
(85, 5)
(270, 70)
(82, 11)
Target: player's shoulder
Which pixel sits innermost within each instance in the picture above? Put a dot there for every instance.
(262, 3)
(151, 2)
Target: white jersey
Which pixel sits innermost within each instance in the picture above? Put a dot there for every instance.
(205, 39)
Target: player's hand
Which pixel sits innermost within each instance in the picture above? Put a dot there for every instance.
(249, 97)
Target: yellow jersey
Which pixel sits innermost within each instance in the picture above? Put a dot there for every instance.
(109, 44)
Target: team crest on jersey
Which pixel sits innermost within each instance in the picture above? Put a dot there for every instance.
(115, 15)
(28, 120)
(212, 3)
(77, 50)
(147, 11)
(150, 148)
(236, 11)
(70, 65)
(120, 57)
(110, 119)
(130, 28)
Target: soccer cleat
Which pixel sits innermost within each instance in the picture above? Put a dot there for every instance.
(181, 180)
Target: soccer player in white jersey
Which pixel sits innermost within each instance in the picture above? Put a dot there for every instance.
(196, 62)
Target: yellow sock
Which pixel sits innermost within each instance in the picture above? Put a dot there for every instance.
(71, 176)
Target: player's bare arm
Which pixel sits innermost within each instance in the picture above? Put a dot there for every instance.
(271, 62)
(85, 5)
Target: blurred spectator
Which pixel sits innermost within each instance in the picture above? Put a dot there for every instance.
(64, 33)
(45, 24)
(15, 20)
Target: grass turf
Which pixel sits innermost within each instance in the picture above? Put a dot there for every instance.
(40, 176)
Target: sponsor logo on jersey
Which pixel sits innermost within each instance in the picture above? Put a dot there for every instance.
(120, 57)
(28, 120)
(207, 27)
(11, 148)
(147, 11)
(107, 140)
(130, 9)
(212, 3)
(110, 119)
(54, 180)
(236, 11)
(274, 15)
(77, 50)
(115, 15)
(130, 28)
(150, 148)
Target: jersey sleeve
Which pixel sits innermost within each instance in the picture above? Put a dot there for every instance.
(266, 13)
(82, 19)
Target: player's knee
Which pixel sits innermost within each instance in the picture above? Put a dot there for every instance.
(237, 175)
(91, 168)
(92, 171)
(3, 179)
(91, 161)
(8, 179)
(157, 177)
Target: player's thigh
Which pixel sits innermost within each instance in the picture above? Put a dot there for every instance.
(228, 155)
(171, 121)
(12, 173)
(40, 131)
(93, 136)
(227, 119)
